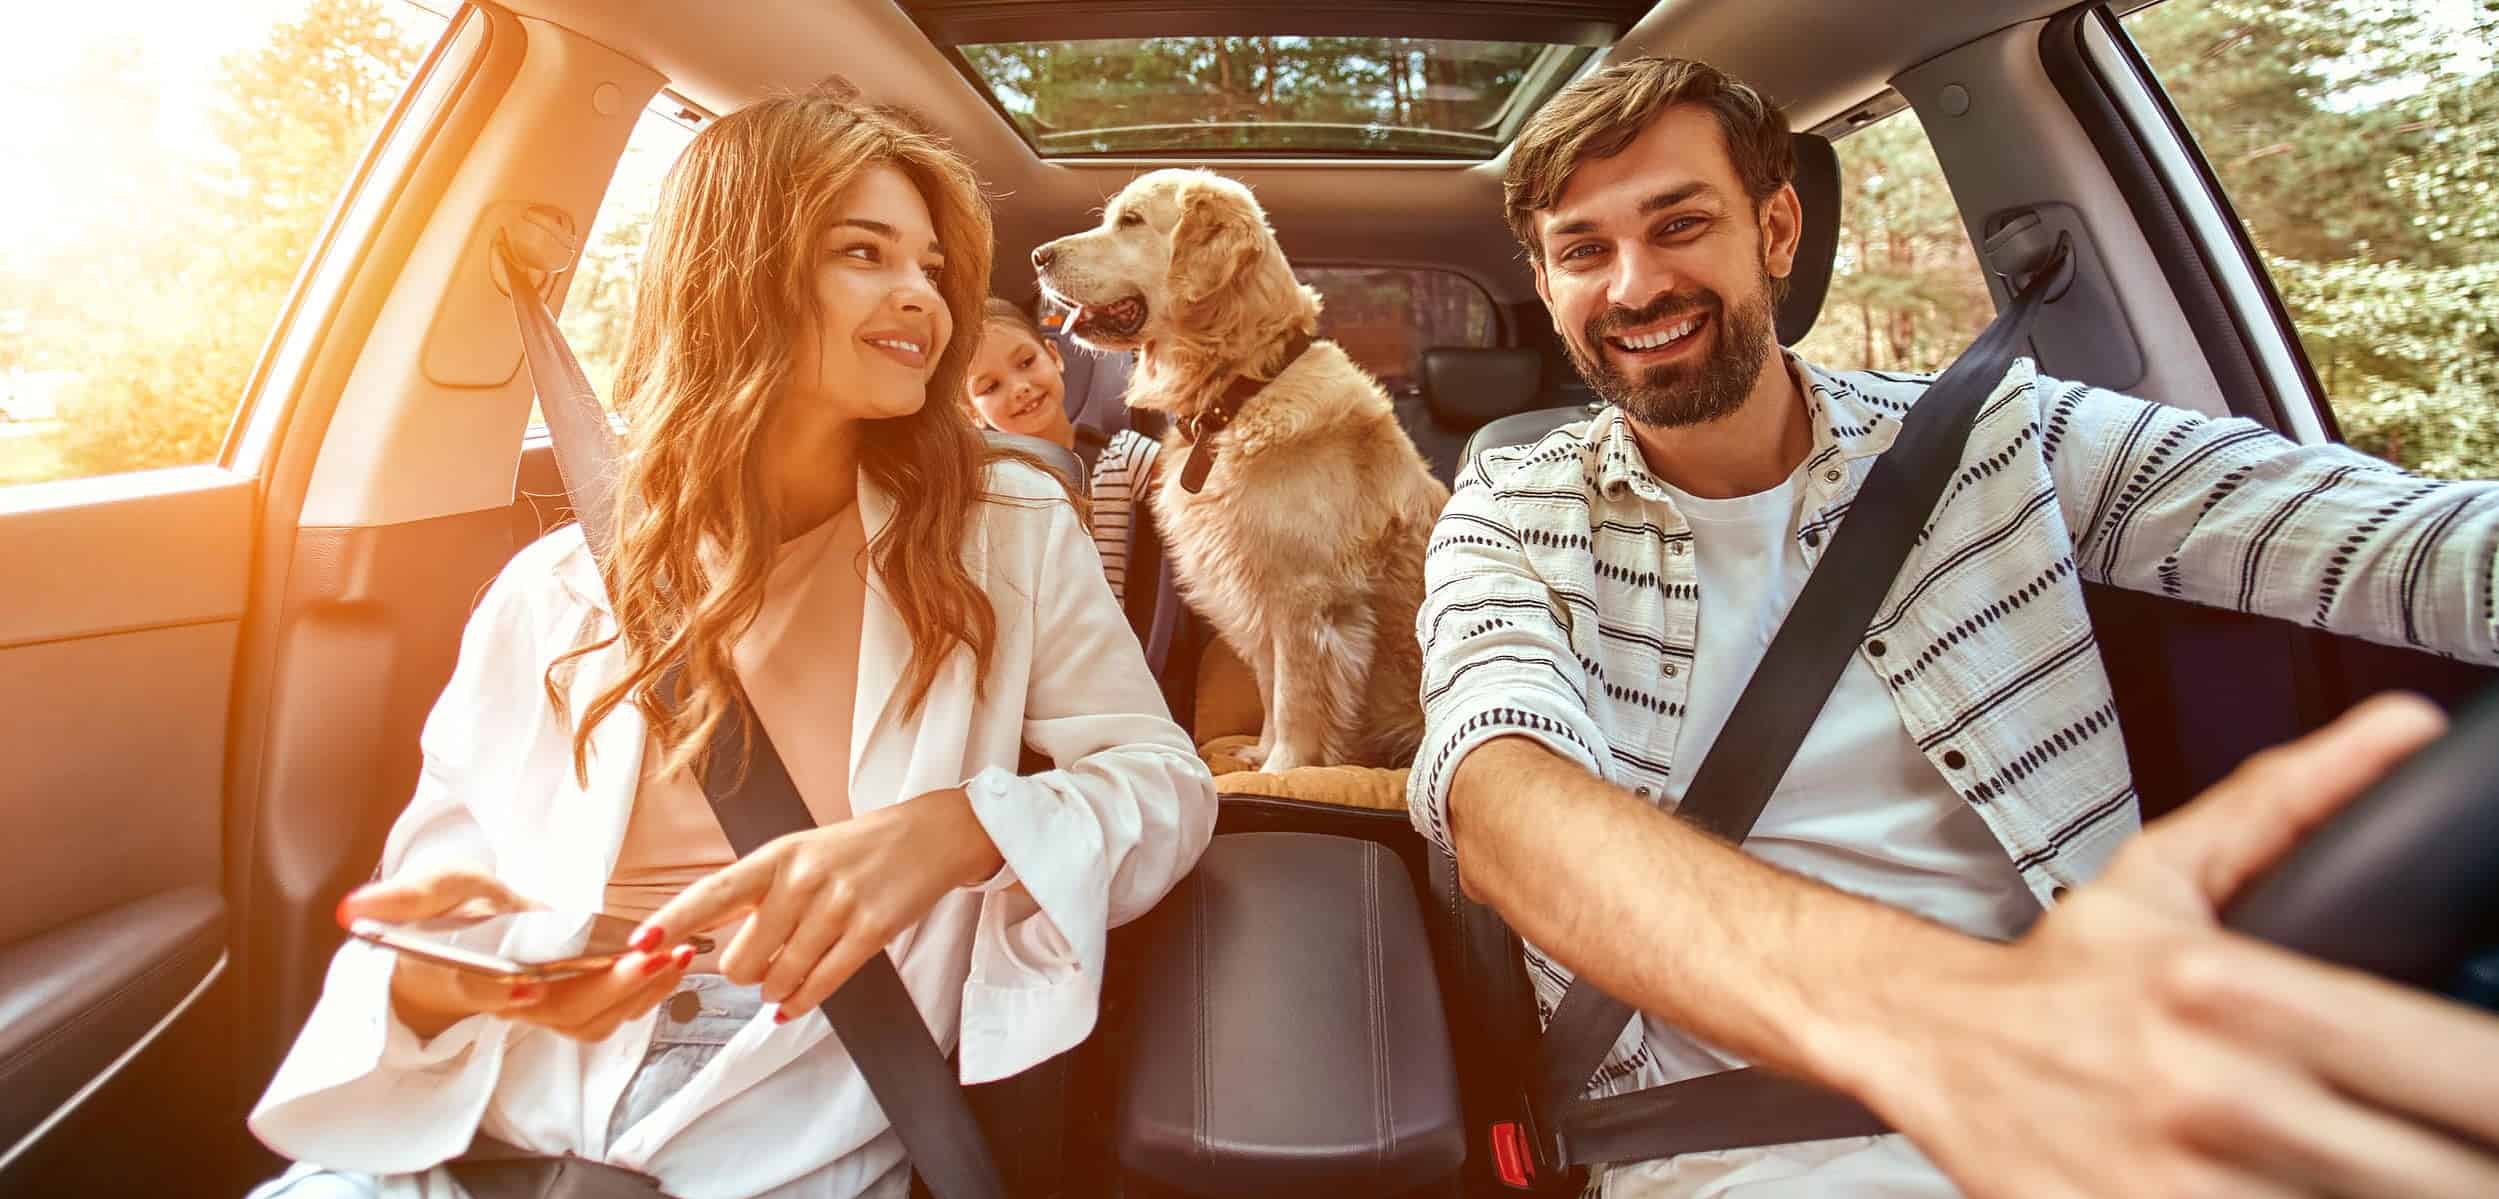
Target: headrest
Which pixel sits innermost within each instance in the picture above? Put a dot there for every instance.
(1095, 384)
(1818, 194)
(1465, 386)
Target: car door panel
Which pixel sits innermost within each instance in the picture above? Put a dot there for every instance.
(173, 537)
(2200, 689)
(134, 808)
(116, 666)
(132, 601)
(114, 670)
(77, 1000)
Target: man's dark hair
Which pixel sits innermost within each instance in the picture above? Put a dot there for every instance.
(1600, 115)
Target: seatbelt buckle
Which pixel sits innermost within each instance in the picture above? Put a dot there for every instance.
(1527, 1157)
(1513, 1155)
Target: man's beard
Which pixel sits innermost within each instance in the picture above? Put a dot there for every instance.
(1688, 393)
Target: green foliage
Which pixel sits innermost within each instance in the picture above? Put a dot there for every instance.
(2353, 138)
(1225, 93)
(2410, 355)
(1906, 293)
(164, 321)
(599, 304)
(2355, 141)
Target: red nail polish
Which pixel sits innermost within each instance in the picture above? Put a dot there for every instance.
(340, 913)
(780, 1017)
(648, 939)
(524, 992)
(685, 956)
(651, 966)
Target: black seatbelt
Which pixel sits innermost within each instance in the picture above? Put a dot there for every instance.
(1786, 692)
(872, 1013)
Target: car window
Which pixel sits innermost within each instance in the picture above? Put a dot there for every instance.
(1386, 316)
(600, 301)
(2354, 140)
(1906, 291)
(1394, 97)
(170, 166)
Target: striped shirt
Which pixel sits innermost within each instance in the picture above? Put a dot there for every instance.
(1561, 600)
(1118, 485)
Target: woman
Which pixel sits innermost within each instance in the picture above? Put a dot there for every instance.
(800, 530)
(1017, 384)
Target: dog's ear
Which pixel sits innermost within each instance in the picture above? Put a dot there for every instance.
(1216, 239)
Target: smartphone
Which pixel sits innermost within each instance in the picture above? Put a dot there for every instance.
(513, 946)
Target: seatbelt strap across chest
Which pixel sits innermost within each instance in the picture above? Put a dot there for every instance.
(872, 1012)
(1742, 769)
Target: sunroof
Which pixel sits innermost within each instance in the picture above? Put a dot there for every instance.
(1366, 96)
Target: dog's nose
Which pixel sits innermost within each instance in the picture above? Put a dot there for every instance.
(1042, 257)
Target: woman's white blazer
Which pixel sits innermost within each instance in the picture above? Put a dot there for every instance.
(1008, 973)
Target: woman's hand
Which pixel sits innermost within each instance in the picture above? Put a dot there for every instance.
(430, 998)
(819, 903)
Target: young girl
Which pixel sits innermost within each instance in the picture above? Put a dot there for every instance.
(1017, 384)
(814, 544)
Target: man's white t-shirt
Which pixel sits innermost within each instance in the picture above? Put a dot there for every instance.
(1860, 808)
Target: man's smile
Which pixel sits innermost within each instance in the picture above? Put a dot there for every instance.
(1659, 340)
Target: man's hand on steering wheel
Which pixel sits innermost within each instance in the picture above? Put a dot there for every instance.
(2129, 1045)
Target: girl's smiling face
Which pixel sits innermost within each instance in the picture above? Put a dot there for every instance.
(1016, 384)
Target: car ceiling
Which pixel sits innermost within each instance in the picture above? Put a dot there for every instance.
(1819, 58)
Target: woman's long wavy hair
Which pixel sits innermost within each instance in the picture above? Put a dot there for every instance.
(725, 292)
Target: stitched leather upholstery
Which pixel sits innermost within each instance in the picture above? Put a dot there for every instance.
(1287, 1035)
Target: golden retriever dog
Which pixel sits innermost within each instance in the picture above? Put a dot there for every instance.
(1295, 507)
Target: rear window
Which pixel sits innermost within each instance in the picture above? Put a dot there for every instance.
(1386, 316)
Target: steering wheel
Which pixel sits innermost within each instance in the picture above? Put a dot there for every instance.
(2404, 881)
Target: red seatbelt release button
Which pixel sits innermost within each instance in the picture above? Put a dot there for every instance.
(1511, 1158)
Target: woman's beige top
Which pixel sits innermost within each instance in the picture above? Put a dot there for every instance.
(799, 663)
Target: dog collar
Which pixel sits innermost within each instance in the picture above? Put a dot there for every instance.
(1201, 427)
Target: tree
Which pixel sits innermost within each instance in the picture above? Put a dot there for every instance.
(1906, 293)
(598, 307)
(1334, 93)
(2355, 142)
(2354, 138)
(167, 335)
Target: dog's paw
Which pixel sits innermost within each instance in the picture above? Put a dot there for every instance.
(1281, 759)
(1254, 755)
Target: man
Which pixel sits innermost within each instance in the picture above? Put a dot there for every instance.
(2038, 1011)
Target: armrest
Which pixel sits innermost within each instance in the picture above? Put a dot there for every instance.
(1287, 1032)
(75, 999)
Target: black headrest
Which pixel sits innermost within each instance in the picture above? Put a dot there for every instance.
(1818, 194)
(1465, 386)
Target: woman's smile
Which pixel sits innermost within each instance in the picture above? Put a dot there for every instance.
(907, 349)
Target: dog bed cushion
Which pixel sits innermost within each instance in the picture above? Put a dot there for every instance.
(1344, 786)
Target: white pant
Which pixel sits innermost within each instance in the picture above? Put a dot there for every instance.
(1884, 1167)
